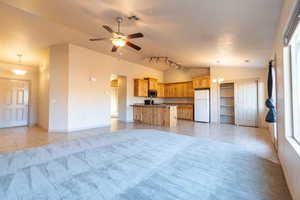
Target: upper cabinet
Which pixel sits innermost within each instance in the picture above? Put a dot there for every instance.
(152, 83)
(179, 90)
(140, 88)
(170, 90)
(114, 83)
(201, 82)
(160, 90)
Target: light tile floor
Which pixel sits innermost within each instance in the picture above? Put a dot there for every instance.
(256, 140)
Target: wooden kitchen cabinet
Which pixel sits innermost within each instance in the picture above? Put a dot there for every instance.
(114, 83)
(179, 90)
(190, 90)
(152, 83)
(201, 82)
(137, 114)
(140, 88)
(164, 90)
(159, 115)
(161, 90)
(185, 112)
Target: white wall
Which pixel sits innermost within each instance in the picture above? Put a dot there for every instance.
(58, 88)
(231, 74)
(122, 98)
(89, 102)
(43, 97)
(172, 75)
(32, 76)
(289, 152)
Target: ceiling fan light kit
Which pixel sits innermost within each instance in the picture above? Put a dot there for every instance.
(119, 42)
(119, 39)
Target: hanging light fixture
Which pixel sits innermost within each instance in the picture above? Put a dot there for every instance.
(19, 72)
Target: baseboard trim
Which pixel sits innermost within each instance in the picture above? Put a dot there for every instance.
(88, 127)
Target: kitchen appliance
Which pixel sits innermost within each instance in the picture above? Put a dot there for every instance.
(149, 102)
(152, 93)
(202, 105)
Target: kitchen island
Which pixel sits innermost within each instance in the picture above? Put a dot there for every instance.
(157, 114)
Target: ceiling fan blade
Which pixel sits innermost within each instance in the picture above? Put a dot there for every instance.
(133, 46)
(114, 48)
(135, 35)
(108, 28)
(97, 39)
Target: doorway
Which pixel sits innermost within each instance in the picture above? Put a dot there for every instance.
(246, 101)
(118, 97)
(14, 103)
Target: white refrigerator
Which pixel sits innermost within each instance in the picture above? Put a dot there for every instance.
(202, 105)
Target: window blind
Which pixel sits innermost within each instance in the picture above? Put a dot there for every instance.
(294, 21)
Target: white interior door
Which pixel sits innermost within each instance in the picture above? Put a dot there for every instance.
(202, 110)
(246, 99)
(14, 96)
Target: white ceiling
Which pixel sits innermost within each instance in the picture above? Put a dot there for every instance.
(192, 32)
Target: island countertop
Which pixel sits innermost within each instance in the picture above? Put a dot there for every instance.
(151, 105)
(156, 114)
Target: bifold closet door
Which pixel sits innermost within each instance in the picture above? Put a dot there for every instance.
(246, 103)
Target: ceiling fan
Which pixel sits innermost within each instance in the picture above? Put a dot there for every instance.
(119, 39)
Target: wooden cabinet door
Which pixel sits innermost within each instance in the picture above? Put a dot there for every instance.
(140, 88)
(190, 89)
(195, 83)
(173, 91)
(179, 90)
(161, 90)
(153, 83)
(201, 82)
(169, 91)
(185, 112)
(137, 113)
(205, 82)
(166, 91)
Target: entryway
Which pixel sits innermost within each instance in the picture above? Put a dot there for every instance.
(14, 102)
(118, 97)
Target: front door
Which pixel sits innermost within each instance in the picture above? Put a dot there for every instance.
(14, 95)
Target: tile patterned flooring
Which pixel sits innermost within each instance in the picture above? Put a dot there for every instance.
(256, 140)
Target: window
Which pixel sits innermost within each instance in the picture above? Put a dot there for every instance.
(295, 82)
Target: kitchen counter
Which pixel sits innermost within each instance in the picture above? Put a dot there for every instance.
(157, 114)
(185, 111)
(151, 105)
(179, 103)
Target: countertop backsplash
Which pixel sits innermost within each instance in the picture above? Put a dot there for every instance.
(179, 100)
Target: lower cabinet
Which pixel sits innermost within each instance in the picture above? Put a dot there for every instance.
(185, 112)
(159, 115)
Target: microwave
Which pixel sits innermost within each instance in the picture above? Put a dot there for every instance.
(152, 93)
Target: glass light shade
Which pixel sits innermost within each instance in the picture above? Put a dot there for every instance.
(221, 80)
(119, 42)
(19, 72)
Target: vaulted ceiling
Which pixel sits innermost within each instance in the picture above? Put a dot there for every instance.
(192, 32)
